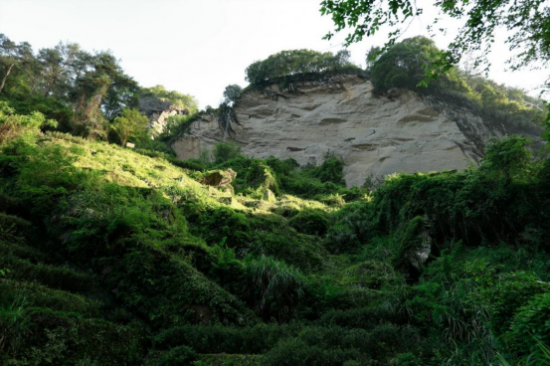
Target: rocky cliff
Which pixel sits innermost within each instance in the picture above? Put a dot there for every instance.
(374, 135)
(158, 112)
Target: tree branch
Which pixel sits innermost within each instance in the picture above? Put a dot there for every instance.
(5, 77)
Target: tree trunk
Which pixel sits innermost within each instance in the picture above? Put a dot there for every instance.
(6, 77)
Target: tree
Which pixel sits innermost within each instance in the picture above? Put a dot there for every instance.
(403, 66)
(527, 23)
(226, 117)
(179, 100)
(231, 94)
(8, 58)
(130, 125)
(342, 59)
(373, 54)
(293, 62)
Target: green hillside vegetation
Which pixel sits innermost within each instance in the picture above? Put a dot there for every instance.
(112, 256)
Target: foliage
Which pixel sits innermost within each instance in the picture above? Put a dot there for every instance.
(526, 22)
(348, 229)
(115, 256)
(261, 176)
(87, 93)
(179, 100)
(530, 323)
(179, 356)
(311, 221)
(231, 94)
(403, 65)
(276, 288)
(223, 339)
(13, 126)
(223, 152)
(131, 124)
(330, 170)
(227, 117)
(288, 63)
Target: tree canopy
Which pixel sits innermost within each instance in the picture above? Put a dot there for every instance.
(130, 125)
(179, 100)
(294, 62)
(89, 94)
(66, 83)
(231, 94)
(526, 21)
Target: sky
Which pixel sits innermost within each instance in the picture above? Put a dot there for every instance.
(198, 47)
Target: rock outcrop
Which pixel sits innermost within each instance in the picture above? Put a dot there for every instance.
(375, 136)
(158, 112)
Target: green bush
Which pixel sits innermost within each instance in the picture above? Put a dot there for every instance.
(330, 170)
(276, 289)
(338, 346)
(510, 293)
(296, 352)
(215, 339)
(313, 222)
(223, 152)
(404, 66)
(349, 228)
(261, 176)
(178, 356)
(166, 290)
(531, 325)
(53, 337)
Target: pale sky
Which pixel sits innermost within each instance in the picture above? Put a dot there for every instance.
(200, 46)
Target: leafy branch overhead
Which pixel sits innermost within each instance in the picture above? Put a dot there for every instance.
(527, 23)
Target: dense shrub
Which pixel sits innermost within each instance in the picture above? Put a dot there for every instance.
(349, 228)
(52, 337)
(222, 339)
(261, 176)
(276, 289)
(510, 293)
(330, 170)
(312, 222)
(223, 152)
(403, 66)
(531, 326)
(178, 356)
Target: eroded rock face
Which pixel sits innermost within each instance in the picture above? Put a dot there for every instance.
(375, 136)
(158, 112)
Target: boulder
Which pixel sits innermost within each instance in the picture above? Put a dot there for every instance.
(220, 179)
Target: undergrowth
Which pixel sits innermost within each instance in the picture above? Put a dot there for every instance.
(114, 256)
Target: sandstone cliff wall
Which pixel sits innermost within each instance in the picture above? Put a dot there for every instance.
(376, 136)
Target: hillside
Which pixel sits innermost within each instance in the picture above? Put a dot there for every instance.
(323, 215)
(114, 256)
